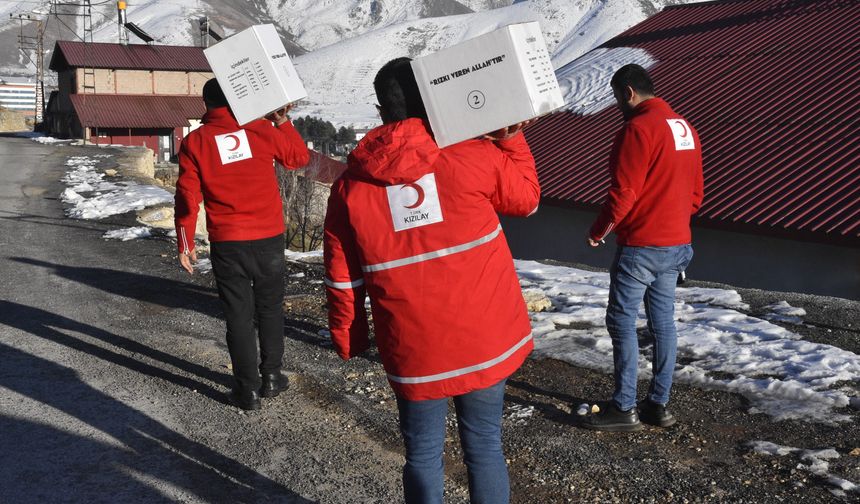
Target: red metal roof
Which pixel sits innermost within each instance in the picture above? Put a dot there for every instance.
(136, 111)
(770, 86)
(323, 168)
(74, 54)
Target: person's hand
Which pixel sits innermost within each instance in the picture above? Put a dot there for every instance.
(187, 261)
(509, 132)
(594, 243)
(279, 116)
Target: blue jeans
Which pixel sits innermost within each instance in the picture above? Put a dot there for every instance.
(649, 274)
(479, 418)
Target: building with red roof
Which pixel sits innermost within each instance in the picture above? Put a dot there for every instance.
(769, 85)
(129, 94)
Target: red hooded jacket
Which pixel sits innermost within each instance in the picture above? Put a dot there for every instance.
(231, 168)
(656, 171)
(416, 228)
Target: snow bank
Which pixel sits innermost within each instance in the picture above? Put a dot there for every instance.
(92, 197)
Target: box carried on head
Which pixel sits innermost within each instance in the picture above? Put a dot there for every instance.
(255, 72)
(486, 83)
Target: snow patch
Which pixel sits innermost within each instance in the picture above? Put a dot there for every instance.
(91, 197)
(784, 312)
(719, 346)
(813, 461)
(584, 82)
(127, 234)
(203, 265)
(519, 413)
(314, 256)
(46, 140)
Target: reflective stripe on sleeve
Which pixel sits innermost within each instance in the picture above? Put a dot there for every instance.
(608, 230)
(344, 285)
(460, 372)
(184, 240)
(434, 254)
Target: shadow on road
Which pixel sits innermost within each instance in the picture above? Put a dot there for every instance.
(49, 326)
(543, 401)
(147, 288)
(121, 455)
(44, 220)
(310, 332)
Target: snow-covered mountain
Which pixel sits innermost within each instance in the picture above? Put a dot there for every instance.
(339, 76)
(339, 45)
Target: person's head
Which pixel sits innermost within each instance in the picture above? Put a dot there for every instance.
(631, 85)
(397, 92)
(213, 96)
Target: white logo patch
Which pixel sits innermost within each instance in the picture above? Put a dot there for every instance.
(682, 133)
(233, 147)
(416, 204)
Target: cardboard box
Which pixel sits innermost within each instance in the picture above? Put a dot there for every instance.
(255, 72)
(487, 83)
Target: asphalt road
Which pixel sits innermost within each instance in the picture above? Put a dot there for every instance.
(113, 370)
(113, 374)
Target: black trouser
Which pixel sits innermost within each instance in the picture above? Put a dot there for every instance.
(250, 277)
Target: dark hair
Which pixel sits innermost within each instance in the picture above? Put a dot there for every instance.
(634, 76)
(397, 91)
(213, 96)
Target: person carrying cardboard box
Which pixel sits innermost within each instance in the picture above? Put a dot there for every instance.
(231, 169)
(416, 228)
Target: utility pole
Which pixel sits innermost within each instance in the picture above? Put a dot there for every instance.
(204, 31)
(35, 43)
(82, 9)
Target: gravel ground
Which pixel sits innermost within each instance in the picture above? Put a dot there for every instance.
(705, 458)
(114, 373)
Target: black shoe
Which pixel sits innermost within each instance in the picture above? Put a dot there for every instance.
(248, 400)
(274, 384)
(612, 419)
(655, 414)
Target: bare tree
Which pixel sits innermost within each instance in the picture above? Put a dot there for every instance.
(304, 202)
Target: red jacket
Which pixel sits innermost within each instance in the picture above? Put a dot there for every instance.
(656, 170)
(231, 169)
(416, 228)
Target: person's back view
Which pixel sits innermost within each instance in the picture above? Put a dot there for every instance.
(230, 168)
(416, 228)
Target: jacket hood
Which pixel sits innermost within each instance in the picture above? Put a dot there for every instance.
(220, 116)
(396, 153)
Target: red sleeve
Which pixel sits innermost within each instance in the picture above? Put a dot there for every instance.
(290, 149)
(628, 166)
(517, 188)
(345, 290)
(187, 199)
(698, 181)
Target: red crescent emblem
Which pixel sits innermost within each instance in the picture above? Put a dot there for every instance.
(420, 192)
(235, 139)
(684, 127)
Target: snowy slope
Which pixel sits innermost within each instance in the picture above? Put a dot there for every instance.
(318, 23)
(351, 39)
(169, 22)
(340, 75)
